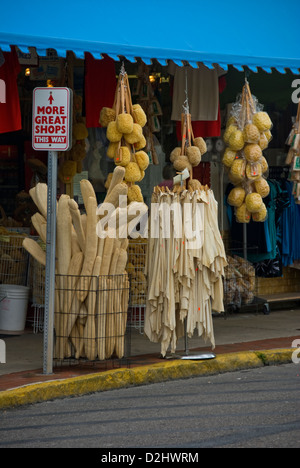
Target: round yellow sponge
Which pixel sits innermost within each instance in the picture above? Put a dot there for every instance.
(142, 160)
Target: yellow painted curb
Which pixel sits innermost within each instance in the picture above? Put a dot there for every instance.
(121, 378)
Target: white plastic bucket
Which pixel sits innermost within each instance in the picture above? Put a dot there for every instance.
(13, 307)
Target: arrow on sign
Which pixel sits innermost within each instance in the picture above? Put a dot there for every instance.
(51, 98)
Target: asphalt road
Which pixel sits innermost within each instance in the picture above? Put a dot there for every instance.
(255, 408)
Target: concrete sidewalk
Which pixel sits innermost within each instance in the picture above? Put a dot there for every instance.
(243, 341)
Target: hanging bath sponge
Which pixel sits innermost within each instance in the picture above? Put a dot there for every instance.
(124, 123)
(139, 115)
(142, 160)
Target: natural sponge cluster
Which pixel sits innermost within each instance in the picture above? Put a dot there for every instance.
(190, 153)
(124, 130)
(247, 134)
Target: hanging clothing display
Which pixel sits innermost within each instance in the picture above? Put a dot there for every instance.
(290, 229)
(185, 267)
(99, 87)
(204, 86)
(10, 112)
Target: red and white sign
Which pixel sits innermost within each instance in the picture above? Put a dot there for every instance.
(51, 119)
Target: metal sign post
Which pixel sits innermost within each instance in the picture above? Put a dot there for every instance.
(50, 264)
(52, 132)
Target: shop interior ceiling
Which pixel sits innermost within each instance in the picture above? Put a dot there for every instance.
(257, 35)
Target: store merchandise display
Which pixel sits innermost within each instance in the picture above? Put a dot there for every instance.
(92, 286)
(293, 156)
(239, 282)
(247, 134)
(124, 123)
(185, 267)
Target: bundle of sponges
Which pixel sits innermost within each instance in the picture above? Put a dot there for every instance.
(92, 286)
(246, 135)
(192, 149)
(124, 123)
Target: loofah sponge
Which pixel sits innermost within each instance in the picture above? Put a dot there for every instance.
(228, 131)
(107, 115)
(242, 214)
(125, 157)
(139, 115)
(112, 150)
(263, 141)
(135, 194)
(142, 160)
(112, 133)
(236, 197)
(142, 176)
(194, 184)
(194, 155)
(261, 215)
(262, 187)
(229, 157)
(253, 202)
(175, 153)
(236, 140)
(132, 172)
(252, 152)
(262, 121)
(135, 136)
(141, 143)
(251, 133)
(182, 162)
(254, 171)
(264, 165)
(200, 142)
(124, 123)
(237, 170)
(268, 134)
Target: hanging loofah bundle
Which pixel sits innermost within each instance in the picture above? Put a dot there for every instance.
(247, 134)
(124, 129)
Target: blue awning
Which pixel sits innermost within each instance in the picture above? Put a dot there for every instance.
(256, 34)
